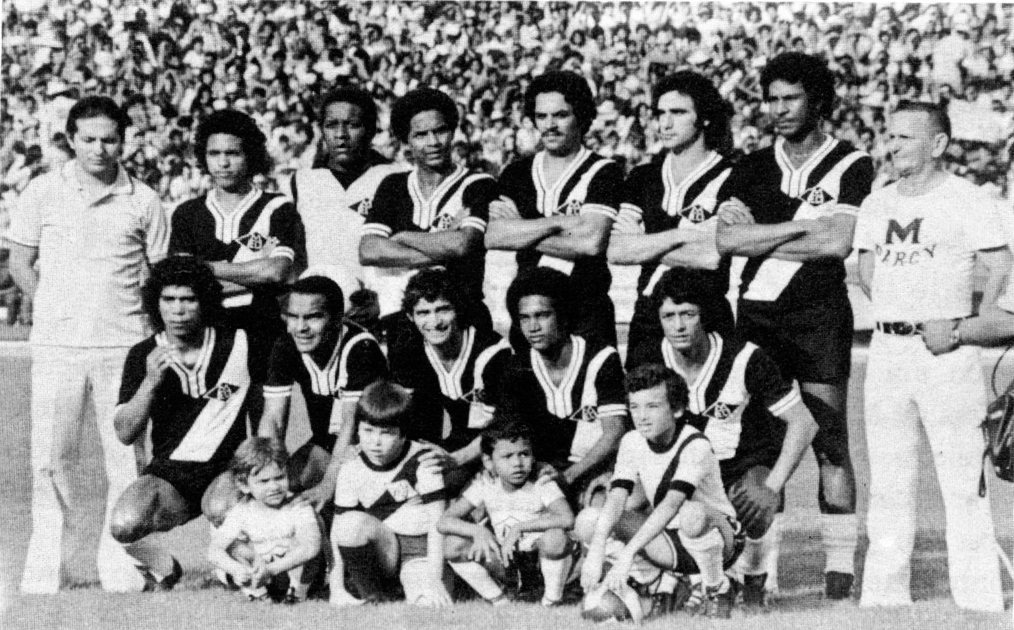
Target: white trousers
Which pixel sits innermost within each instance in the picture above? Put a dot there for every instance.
(65, 381)
(908, 390)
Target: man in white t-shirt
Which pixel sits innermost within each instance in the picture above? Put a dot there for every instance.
(919, 240)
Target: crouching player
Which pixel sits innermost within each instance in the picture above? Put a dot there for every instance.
(268, 536)
(387, 504)
(525, 513)
(691, 527)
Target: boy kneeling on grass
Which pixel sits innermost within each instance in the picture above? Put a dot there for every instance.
(691, 526)
(269, 535)
(525, 513)
(388, 499)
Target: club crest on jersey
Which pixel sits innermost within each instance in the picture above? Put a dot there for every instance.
(363, 207)
(588, 413)
(817, 196)
(222, 393)
(401, 491)
(254, 241)
(570, 208)
(696, 213)
(443, 222)
(721, 411)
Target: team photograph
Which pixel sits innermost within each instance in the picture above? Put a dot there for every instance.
(506, 314)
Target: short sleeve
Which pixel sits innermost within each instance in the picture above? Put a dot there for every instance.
(604, 191)
(233, 527)
(477, 198)
(738, 183)
(134, 370)
(865, 237)
(985, 229)
(430, 483)
(345, 495)
(856, 184)
(26, 220)
(366, 364)
(493, 374)
(182, 237)
(767, 385)
(380, 220)
(287, 227)
(280, 369)
(612, 397)
(549, 492)
(512, 185)
(630, 218)
(475, 492)
(625, 470)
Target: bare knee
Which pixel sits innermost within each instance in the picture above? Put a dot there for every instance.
(220, 497)
(553, 544)
(584, 524)
(353, 529)
(456, 548)
(128, 525)
(693, 520)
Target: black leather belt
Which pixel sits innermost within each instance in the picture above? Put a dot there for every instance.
(904, 329)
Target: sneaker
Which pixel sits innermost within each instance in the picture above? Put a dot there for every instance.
(754, 595)
(551, 603)
(837, 585)
(154, 585)
(718, 603)
(694, 604)
(292, 597)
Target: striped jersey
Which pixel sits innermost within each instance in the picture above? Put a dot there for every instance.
(199, 413)
(591, 184)
(736, 399)
(835, 179)
(354, 360)
(565, 418)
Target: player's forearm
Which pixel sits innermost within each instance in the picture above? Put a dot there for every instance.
(22, 265)
(301, 552)
(467, 454)
(825, 238)
(435, 552)
(546, 522)
(661, 516)
(131, 418)
(442, 246)
(610, 515)
(218, 555)
(752, 239)
(274, 420)
(699, 252)
(799, 432)
(517, 234)
(993, 326)
(377, 251)
(450, 525)
(270, 271)
(637, 249)
(581, 236)
(603, 449)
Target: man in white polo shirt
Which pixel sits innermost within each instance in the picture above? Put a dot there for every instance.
(919, 240)
(94, 231)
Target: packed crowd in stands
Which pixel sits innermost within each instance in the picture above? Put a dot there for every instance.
(172, 63)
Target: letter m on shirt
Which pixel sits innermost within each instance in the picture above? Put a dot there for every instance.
(894, 229)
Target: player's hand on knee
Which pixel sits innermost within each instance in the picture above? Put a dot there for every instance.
(511, 537)
(484, 549)
(938, 335)
(734, 212)
(755, 503)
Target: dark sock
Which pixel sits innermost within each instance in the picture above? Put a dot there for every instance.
(361, 570)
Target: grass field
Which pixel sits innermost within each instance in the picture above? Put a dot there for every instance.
(199, 603)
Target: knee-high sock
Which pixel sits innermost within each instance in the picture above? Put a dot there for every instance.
(706, 551)
(150, 555)
(361, 563)
(478, 578)
(554, 574)
(772, 543)
(840, 534)
(760, 556)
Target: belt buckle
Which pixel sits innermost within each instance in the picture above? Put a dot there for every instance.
(905, 329)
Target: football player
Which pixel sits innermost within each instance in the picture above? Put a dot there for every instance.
(690, 526)
(558, 206)
(754, 417)
(190, 380)
(387, 504)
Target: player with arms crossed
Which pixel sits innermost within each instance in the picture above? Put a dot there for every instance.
(690, 526)
(454, 370)
(434, 215)
(754, 418)
(667, 215)
(268, 534)
(387, 504)
(253, 240)
(190, 381)
(334, 198)
(559, 205)
(525, 514)
(568, 388)
(332, 362)
(790, 218)
(919, 240)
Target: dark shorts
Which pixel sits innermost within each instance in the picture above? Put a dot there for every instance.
(686, 564)
(190, 479)
(811, 345)
(412, 548)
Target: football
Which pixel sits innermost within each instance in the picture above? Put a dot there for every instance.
(602, 604)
